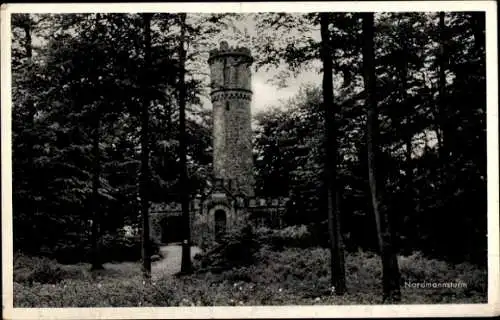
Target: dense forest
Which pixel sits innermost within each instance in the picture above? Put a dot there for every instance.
(386, 155)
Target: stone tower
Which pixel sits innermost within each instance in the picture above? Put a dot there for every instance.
(231, 98)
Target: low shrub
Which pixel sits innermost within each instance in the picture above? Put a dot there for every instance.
(114, 248)
(121, 248)
(37, 269)
(417, 268)
(81, 293)
(290, 276)
(236, 248)
(307, 273)
(297, 236)
(70, 253)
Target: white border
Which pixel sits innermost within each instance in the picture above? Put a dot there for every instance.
(493, 306)
(288, 6)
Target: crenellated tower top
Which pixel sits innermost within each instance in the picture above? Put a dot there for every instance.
(225, 50)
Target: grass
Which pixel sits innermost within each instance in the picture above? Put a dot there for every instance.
(292, 276)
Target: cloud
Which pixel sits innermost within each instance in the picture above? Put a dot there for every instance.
(267, 95)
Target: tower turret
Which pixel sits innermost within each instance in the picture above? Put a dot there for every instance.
(231, 98)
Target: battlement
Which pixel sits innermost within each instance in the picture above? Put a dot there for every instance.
(173, 206)
(252, 204)
(256, 203)
(225, 50)
(231, 94)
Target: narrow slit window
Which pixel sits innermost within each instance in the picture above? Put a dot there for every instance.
(227, 105)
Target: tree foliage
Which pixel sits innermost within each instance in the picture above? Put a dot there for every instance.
(412, 135)
(89, 67)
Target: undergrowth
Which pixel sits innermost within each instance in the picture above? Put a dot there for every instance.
(286, 277)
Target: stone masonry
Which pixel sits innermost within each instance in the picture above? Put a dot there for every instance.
(231, 98)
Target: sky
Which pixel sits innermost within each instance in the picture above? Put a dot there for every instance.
(266, 94)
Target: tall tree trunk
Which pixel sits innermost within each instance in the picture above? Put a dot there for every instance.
(144, 182)
(30, 106)
(340, 285)
(390, 269)
(478, 23)
(168, 129)
(28, 46)
(186, 266)
(444, 146)
(168, 115)
(408, 131)
(96, 175)
(96, 219)
(336, 248)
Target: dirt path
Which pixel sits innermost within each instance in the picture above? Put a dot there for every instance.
(171, 262)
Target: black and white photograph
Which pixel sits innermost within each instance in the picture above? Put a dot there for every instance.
(201, 157)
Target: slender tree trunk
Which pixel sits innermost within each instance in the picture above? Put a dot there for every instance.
(96, 219)
(28, 46)
(478, 23)
(443, 125)
(30, 106)
(390, 269)
(144, 182)
(96, 185)
(168, 132)
(186, 221)
(408, 131)
(341, 287)
(168, 115)
(336, 249)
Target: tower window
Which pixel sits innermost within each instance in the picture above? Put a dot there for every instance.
(227, 105)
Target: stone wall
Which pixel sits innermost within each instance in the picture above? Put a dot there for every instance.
(160, 211)
(239, 212)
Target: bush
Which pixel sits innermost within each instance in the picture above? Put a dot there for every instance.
(71, 253)
(306, 272)
(298, 236)
(81, 293)
(114, 248)
(121, 249)
(418, 268)
(37, 269)
(291, 276)
(235, 249)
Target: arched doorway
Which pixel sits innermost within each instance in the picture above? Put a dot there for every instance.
(171, 229)
(220, 224)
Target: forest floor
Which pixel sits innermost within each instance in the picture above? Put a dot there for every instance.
(292, 276)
